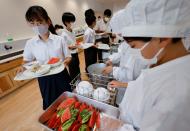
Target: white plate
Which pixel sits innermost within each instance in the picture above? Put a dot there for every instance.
(103, 46)
(101, 94)
(26, 75)
(43, 70)
(86, 45)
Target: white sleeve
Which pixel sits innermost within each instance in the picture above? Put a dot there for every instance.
(109, 28)
(64, 37)
(115, 58)
(122, 74)
(88, 38)
(28, 55)
(65, 49)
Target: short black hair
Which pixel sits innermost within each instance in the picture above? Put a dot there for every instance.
(90, 19)
(89, 12)
(107, 12)
(36, 13)
(58, 27)
(68, 17)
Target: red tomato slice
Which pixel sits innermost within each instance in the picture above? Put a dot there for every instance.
(66, 115)
(77, 105)
(76, 127)
(53, 60)
(67, 103)
(52, 120)
(98, 120)
(73, 125)
(57, 123)
(60, 128)
(79, 119)
(92, 120)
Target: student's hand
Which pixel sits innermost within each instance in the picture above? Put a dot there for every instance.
(67, 61)
(96, 45)
(117, 84)
(72, 47)
(113, 35)
(20, 69)
(109, 63)
(107, 70)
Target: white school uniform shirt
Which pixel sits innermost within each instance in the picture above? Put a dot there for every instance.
(115, 57)
(70, 39)
(36, 49)
(151, 102)
(102, 26)
(89, 35)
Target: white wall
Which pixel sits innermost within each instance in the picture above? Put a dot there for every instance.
(119, 4)
(12, 14)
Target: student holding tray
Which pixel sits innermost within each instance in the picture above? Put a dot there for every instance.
(42, 48)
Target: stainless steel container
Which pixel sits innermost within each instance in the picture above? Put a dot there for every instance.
(96, 76)
(105, 108)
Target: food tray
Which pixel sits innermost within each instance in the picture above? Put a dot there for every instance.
(109, 110)
(53, 70)
(96, 81)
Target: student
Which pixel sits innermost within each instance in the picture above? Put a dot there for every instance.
(58, 29)
(103, 24)
(130, 66)
(158, 100)
(41, 48)
(99, 18)
(89, 37)
(68, 19)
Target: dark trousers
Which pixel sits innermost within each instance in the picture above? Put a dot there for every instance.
(53, 86)
(74, 68)
(90, 56)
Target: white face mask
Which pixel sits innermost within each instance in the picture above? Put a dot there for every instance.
(145, 61)
(106, 19)
(136, 53)
(40, 30)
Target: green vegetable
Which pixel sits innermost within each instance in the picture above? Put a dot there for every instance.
(60, 112)
(86, 118)
(84, 113)
(67, 124)
(83, 127)
(74, 113)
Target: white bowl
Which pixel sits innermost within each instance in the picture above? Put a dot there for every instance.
(101, 94)
(84, 88)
